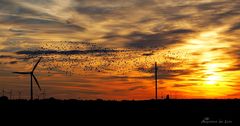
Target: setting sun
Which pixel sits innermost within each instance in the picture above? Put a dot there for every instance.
(213, 79)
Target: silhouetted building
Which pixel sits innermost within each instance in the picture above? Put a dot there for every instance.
(3, 98)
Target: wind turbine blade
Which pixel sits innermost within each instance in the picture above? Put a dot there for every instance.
(36, 64)
(36, 81)
(22, 72)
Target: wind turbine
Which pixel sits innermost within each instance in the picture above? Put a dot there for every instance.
(31, 73)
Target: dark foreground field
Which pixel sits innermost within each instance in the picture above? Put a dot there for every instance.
(201, 112)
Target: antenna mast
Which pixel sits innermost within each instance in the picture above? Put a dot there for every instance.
(156, 90)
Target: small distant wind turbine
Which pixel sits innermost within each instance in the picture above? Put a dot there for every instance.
(3, 92)
(10, 94)
(19, 94)
(32, 76)
(43, 94)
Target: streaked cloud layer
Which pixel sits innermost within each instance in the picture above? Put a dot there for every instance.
(116, 43)
(125, 23)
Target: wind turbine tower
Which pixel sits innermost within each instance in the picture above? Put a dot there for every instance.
(32, 76)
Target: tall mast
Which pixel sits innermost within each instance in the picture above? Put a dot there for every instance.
(156, 86)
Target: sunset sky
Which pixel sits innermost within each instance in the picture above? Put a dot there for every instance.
(107, 48)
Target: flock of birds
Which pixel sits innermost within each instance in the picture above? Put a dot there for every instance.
(70, 58)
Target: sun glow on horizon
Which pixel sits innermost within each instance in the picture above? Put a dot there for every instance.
(210, 61)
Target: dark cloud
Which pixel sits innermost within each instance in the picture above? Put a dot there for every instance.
(182, 85)
(100, 10)
(90, 92)
(6, 56)
(173, 12)
(148, 54)
(180, 31)
(235, 53)
(9, 7)
(235, 67)
(165, 72)
(136, 88)
(20, 30)
(225, 15)
(141, 40)
(13, 44)
(202, 14)
(87, 85)
(11, 19)
(235, 27)
(126, 78)
(10, 10)
(130, 89)
(68, 52)
(13, 62)
(41, 1)
(10, 62)
(14, 57)
(218, 12)
(212, 5)
(106, 9)
(94, 10)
